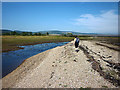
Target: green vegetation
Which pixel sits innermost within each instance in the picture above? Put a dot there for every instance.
(60, 84)
(65, 62)
(65, 69)
(25, 33)
(11, 42)
(108, 39)
(68, 35)
(104, 87)
(65, 85)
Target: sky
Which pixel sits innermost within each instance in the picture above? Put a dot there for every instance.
(84, 17)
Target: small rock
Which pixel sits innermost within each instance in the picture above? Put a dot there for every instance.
(52, 65)
(55, 65)
(49, 84)
(103, 56)
(65, 62)
(88, 60)
(98, 60)
(109, 57)
(75, 60)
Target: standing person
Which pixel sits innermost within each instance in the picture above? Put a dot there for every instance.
(76, 42)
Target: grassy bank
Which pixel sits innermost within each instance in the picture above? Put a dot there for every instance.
(109, 40)
(11, 42)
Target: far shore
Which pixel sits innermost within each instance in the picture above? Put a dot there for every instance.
(11, 43)
(17, 47)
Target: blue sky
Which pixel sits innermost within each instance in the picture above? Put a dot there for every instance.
(85, 17)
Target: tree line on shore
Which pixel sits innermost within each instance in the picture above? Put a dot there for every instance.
(34, 34)
(25, 33)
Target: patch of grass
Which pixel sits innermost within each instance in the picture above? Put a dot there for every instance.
(85, 38)
(65, 69)
(60, 84)
(109, 40)
(65, 85)
(11, 42)
(59, 61)
(104, 86)
(88, 88)
(65, 62)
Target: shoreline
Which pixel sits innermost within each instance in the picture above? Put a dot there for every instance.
(22, 66)
(13, 59)
(11, 42)
(11, 76)
(18, 48)
(50, 64)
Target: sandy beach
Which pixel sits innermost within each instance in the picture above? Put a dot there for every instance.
(90, 66)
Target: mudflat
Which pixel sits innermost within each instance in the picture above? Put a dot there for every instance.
(89, 66)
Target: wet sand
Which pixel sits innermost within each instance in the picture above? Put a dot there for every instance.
(67, 67)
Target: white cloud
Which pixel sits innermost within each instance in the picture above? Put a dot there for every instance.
(106, 22)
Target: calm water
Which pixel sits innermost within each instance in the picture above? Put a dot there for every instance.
(12, 59)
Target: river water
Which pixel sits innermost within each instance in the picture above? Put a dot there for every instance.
(12, 59)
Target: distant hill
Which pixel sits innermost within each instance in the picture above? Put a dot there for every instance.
(43, 32)
(65, 32)
(8, 31)
(59, 32)
(5, 31)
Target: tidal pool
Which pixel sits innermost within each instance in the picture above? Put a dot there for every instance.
(12, 59)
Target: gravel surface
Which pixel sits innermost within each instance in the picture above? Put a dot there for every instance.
(62, 67)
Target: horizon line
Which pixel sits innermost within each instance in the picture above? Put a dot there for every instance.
(67, 31)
